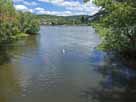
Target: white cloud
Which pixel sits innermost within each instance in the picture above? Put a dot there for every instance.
(39, 9)
(21, 7)
(71, 4)
(71, 7)
(78, 8)
(53, 1)
(58, 13)
(63, 13)
(62, 2)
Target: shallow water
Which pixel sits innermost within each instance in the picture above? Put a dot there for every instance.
(61, 64)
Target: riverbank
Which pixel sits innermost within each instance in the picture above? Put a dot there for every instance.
(66, 25)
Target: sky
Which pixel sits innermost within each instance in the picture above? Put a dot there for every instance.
(57, 7)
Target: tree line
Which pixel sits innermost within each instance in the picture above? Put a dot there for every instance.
(63, 20)
(117, 26)
(15, 24)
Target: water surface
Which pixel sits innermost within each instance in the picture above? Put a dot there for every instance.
(61, 64)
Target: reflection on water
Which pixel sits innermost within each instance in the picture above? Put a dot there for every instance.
(62, 65)
(118, 83)
(4, 55)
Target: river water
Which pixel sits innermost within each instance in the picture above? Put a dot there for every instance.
(61, 64)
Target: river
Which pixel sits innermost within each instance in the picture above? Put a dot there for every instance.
(62, 64)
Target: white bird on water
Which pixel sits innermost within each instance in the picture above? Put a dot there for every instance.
(63, 51)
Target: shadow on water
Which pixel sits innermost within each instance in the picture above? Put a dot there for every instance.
(118, 82)
(9, 82)
(4, 54)
(8, 50)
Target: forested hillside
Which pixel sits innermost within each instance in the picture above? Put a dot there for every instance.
(63, 20)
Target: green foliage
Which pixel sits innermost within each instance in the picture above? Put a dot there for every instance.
(86, 0)
(28, 23)
(8, 21)
(14, 23)
(118, 25)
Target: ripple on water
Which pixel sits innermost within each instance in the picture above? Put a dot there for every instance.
(60, 65)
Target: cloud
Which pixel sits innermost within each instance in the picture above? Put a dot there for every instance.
(39, 9)
(57, 13)
(76, 7)
(62, 2)
(62, 13)
(53, 1)
(71, 7)
(21, 7)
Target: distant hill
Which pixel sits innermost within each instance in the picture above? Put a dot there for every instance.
(86, 0)
(62, 20)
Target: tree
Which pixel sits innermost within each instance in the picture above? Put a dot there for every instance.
(8, 20)
(118, 26)
(82, 19)
(28, 23)
(13, 23)
(86, 0)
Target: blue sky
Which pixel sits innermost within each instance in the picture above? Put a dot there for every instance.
(57, 7)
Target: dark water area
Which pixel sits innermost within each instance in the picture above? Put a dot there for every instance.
(61, 64)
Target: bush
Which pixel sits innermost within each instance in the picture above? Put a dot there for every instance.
(28, 23)
(13, 23)
(118, 26)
